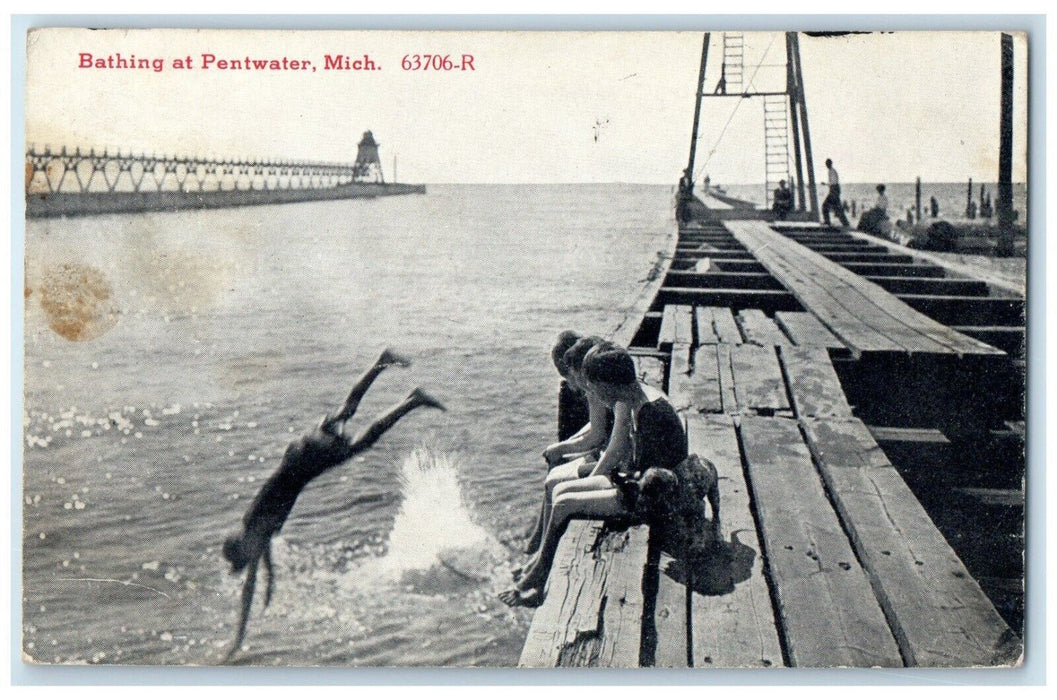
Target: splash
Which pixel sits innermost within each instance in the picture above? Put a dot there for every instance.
(434, 527)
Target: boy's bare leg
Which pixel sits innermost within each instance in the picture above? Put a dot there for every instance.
(388, 358)
(375, 430)
(244, 615)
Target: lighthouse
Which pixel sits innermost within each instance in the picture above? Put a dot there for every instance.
(368, 167)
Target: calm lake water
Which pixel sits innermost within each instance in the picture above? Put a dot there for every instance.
(237, 329)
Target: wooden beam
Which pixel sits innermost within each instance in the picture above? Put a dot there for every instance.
(861, 314)
(930, 436)
(758, 382)
(813, 383)
(768, 299)
(938, 613)
(805, 329)
(715, 324)
(968, 311)
(829, 615)
(721, 280)
(896, 270)
(759, 329)
(732, 622)
(592, 614)
(677, 326)
(930, 285)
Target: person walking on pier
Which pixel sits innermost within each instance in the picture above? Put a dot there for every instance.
(322, 449)
(832, 201)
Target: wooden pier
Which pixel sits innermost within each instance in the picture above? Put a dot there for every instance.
(792, 351)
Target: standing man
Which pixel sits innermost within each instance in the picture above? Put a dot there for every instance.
(832, 201)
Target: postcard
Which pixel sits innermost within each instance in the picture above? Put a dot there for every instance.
(680, 349)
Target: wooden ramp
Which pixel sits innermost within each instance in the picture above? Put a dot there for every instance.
(823, 558)
(861, 314)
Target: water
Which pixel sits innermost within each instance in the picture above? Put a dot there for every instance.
(234, 330)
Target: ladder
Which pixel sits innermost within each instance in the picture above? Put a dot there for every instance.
(776, 142)
(734, 62)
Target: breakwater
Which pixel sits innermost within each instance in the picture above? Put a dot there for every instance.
(86, 204)
(76, 182)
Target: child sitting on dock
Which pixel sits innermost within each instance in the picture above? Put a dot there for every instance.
(647, 432)
(326, 447)
(575, 457)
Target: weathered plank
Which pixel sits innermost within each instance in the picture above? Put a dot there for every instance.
(929, 436)
(805, 329)
(759, 329)
(681, 385)
(676, 326)
(592, 613)
(828, 611)
(725, 362)
(700, 391)
(650, 370)
(672, 631)
(813, 383)
(732, 621)
(758, 382)
(938, 613)
(862, 314)
(715, 324)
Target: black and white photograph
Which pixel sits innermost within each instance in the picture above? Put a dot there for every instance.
(511, 349)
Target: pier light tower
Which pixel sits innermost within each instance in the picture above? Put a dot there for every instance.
(368, 167)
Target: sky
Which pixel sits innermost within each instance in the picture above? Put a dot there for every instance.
(538, 106)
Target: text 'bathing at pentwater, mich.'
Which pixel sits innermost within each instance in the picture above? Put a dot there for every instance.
(210, 61)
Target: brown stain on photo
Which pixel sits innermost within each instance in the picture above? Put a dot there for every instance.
(78, 301)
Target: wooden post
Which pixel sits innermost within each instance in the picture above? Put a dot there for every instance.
(917, 198)
(969, 199)
(1005, 153)
(794, 107)
(799, 75)
(697, 105)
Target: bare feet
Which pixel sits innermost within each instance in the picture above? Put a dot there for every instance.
(515, 597)
(423, 398)
(390, 357)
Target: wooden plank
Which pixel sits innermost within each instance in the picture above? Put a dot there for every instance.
(758, 381)
(717, 322)
(827, 609)
(676, 325)
(725, 361)
(650, 370)
(732, 621)
(672, 631)
(805, 329)
(938, 613)
(700, 391)
(813, 383)
(706, 326)
(680, 384)
(859, 312)
(930, 436)
(759, 329)
(592, 613)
